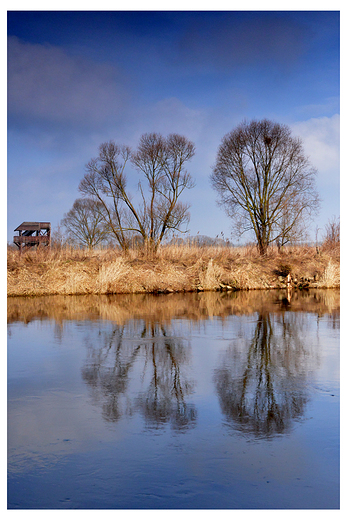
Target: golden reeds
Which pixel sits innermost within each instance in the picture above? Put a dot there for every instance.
(175, 268)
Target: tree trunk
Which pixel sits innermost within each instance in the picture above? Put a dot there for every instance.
(263, 243)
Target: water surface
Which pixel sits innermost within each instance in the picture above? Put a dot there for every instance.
(210, 400)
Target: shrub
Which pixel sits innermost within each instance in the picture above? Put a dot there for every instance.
(283, 270)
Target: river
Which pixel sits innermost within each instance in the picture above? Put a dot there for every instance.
(179, 401)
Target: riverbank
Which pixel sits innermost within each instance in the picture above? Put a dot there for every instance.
(174, 269)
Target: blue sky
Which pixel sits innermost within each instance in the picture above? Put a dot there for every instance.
(77, 79)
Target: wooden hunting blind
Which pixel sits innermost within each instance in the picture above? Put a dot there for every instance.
(33, 234)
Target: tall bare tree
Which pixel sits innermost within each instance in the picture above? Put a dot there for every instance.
(85, 223)
(161, 161)
(265, 182)
(331, 239)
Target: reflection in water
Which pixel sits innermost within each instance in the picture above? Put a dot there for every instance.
(163, 308)
(87, 374)
(261, 381)
(159, 357)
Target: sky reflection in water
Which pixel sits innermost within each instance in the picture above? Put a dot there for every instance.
(178, 401)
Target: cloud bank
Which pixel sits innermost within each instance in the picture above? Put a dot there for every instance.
(46, 85)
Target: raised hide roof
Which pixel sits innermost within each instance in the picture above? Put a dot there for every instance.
(33, 226)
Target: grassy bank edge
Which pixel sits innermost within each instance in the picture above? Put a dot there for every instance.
(173, 269)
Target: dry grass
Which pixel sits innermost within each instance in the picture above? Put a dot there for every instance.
(331, 275)
(173, 269)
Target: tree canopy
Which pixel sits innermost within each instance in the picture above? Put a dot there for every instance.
(161, 162)
(265, 182)
(85, 223)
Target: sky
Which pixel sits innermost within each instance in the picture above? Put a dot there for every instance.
(76, 79)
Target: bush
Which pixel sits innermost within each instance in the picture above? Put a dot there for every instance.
(283, 270)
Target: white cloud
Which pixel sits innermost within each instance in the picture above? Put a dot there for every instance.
(321, 140)
(327, 106)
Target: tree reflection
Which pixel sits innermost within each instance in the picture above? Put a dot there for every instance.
(164, 399)
(140, 367)
(107, 371)
(261, 383)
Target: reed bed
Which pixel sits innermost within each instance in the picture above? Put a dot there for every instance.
(175, 268)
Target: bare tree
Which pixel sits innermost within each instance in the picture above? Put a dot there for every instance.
(331, 239)
(85, 223)
(58, 238)
(265, 182)
(105, 181)
(161, 161)
(289, 227)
